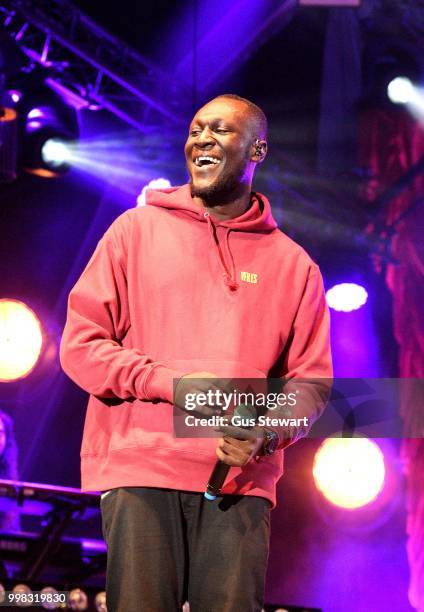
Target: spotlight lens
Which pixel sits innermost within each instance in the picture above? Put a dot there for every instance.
(346, 297)
(349, 472)
(401, 90)
(55, 152)
(20, 340)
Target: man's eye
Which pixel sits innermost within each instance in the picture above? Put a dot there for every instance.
(221, 131)
(194, 132)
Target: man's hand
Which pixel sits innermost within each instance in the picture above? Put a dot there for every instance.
(238, 452)
(194, 383)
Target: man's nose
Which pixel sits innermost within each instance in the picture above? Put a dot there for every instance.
(205, 137)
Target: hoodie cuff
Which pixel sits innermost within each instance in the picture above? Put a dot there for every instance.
(159, 383)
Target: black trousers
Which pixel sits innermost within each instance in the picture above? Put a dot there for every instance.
(166, 547)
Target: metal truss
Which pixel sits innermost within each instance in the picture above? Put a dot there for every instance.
(90, 65)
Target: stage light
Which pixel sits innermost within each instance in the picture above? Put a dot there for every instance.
(15, 95)
(21, 340)
(349, 472)
(100, 602)
(159, 183)
(47, 121)
(346, 297)
(36, 113)
(78, 600)
(56, 152)
(401, 90)
(34, 120)
(392, 75)
(50, 141)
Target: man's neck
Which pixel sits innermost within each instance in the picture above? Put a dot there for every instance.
(228, 210)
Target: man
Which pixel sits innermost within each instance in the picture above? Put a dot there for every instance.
(199, 283)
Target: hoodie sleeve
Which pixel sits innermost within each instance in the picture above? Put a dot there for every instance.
(309, 354)
(308, 365)
(98, 318)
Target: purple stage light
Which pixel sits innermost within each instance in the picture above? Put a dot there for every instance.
(16, 95)
(33, 126)
(93, 546)
(34, 120)
(35, 113)
(51, 133)
(346, 297)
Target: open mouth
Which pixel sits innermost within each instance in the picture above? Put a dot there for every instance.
(206, 160)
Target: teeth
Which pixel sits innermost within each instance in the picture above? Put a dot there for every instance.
(205, 158)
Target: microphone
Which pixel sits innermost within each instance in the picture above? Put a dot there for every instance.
(221, 469)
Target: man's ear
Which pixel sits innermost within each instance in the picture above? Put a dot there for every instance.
(259, 150)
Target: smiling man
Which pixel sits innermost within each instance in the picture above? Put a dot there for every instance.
(226, 141)
(198, 284)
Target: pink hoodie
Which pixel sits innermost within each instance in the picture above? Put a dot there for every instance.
(169, 291)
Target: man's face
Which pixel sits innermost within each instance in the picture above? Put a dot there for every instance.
(219, 149)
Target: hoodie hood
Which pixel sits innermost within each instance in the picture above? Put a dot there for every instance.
(258, 217)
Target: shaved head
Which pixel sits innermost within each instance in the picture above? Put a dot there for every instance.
(258, 117)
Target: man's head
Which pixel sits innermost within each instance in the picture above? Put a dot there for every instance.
(227, 138)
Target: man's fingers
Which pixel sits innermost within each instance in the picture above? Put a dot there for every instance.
(235, 452)
(224, 457)
(230, 456)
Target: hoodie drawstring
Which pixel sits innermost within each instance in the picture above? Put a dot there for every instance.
(229, 278)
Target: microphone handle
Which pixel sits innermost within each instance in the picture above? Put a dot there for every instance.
(221, 469)
(216, 480)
